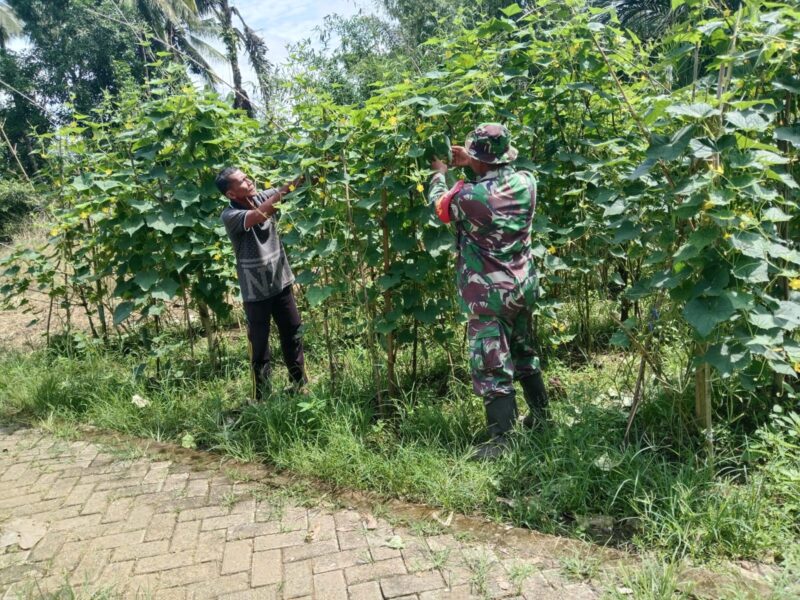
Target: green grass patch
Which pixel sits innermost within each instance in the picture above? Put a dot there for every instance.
(658, 492)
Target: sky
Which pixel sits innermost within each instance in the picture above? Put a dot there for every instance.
(284, 22)
(280, 23)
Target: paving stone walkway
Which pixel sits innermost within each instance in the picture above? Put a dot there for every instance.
(81, 516)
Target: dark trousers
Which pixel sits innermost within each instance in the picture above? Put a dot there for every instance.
(283, 309)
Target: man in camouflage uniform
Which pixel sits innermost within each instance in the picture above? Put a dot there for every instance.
(496, 276)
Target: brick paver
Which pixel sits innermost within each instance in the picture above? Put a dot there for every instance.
(145, 528)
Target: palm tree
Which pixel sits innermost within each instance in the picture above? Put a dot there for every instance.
(651, 18)
(232, 36)
(10, 25)
(177, 25)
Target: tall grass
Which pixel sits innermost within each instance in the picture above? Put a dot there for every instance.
(657, 492)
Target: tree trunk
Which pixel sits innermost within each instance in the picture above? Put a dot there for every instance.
(208, 327)
(387, 297)
(241, 100)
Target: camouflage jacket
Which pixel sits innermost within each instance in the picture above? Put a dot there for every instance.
(493, 219)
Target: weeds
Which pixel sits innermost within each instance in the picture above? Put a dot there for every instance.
(658, 492)
(519, 573)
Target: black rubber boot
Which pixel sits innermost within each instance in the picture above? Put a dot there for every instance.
(536, 398)
(501, 413)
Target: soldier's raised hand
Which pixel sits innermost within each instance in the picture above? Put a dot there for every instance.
(460, 157)
(438, 165)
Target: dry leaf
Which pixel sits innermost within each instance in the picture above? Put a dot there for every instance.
(395, 543)
(370, 522)
(445, 522)
(312, 534)
(24, 532)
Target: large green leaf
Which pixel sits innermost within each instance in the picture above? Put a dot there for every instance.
(166, 221)
(789, 134)
(165, 290)
(695, 111)
(747, 120)
(318, 294)
(704, 314)
(727, 358)
(122, 311)
(146, 279)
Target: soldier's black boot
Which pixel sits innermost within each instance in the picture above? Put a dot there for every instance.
(536, 398)
(501, 413)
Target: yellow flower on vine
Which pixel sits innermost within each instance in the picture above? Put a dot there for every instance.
(218, 256)
(420, 188)
(267, 183)
(562, 327)
(292, 188)
(85, 214)
(795, 283)
(797, 367)
(551, 250)
(420, 128)
(393, 121)
(726, 236)
(322, 179)
(54, 232)
(719, 170)
(708, 205)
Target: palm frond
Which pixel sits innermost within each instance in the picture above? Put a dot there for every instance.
(195, 61)
(257, 50)
(205, 49)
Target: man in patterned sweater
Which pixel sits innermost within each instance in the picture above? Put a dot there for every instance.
(265, 277)
(496, 277)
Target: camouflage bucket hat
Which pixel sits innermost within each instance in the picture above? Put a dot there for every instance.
(491, 143)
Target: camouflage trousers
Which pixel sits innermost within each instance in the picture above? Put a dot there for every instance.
(501, 350)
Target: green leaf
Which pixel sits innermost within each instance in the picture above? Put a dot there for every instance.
(122, 311)
(750, 244)
(695, 111)
(617, 208)
(670, 148)
(146, 279)
(751, 270)
(747, 120)
(386, 282)
(165, 290)
(166, 222)
(704, 314)
(727, 359)
(776, 215)
(789, 311)
(82, 183)
(437, 240)
(187, 197)
(106, 184)
(512, 10)
(789, 134)
(131, 226)
(620, 339)
(433, 111)
(763, 319)
(318, 294)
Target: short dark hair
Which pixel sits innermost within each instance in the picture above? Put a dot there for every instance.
(223, 178)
